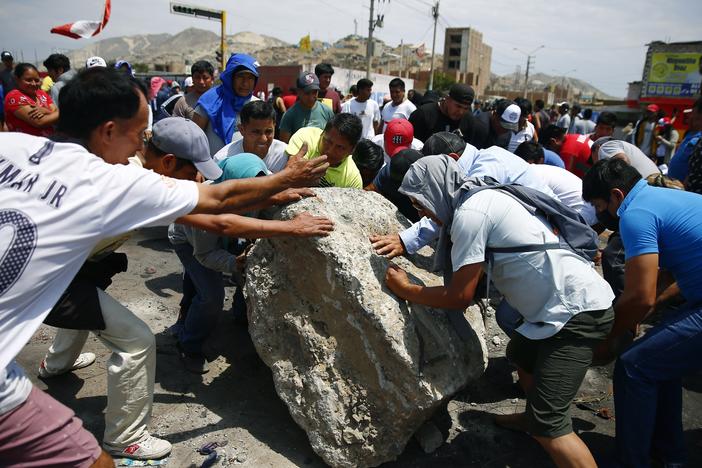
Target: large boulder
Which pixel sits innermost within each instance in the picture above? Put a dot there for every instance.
(359, 369)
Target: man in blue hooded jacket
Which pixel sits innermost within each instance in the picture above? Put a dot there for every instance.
(217, 111)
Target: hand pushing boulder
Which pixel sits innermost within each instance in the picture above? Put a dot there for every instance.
(359, 369)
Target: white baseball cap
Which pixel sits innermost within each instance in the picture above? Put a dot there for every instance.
(188, 82)
(95, 62)
(509, 118)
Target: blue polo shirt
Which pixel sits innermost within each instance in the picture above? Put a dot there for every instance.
(678, 168)
(552, 159)
(667, 222)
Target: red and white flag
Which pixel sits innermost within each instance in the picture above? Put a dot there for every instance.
(84, 28)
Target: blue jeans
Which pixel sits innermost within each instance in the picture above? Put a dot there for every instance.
(648, 390)
(207, 300)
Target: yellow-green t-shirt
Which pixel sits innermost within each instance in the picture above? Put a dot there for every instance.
(345, 175)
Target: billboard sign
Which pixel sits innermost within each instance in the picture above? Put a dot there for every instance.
(673, 75)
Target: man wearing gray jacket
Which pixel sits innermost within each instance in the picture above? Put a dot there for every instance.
(58, 66)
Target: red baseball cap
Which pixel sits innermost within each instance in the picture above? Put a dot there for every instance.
(652, 108)
(398, 136)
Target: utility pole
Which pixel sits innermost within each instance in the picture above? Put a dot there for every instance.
(402, 53)
(526, 76)
(435, 14)
(372, 24)
(369, 44)
(355, 27)
(530, 57)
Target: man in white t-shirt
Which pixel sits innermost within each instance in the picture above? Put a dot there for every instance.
(564, 303)
(365, 108)
(60, 199)
(567, 186)
(257, 128)
(494, 162)
(399, 107)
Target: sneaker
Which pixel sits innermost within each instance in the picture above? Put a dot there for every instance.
(195, 363)
(84, 360)
(149, 448)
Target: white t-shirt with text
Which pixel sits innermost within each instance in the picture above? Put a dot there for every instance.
(57, 201)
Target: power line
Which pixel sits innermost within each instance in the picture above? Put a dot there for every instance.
(412, 7)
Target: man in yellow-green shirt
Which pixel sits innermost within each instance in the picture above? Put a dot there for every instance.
(337, 141)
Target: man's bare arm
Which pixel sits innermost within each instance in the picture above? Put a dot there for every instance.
(457, 295)
(241, 194)
(231, 225)
(639, 296)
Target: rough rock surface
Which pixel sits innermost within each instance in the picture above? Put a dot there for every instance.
(359, 370)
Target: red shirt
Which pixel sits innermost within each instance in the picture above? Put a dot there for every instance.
(330, 94)
(575, 153)
(16, 99)
(289, 100)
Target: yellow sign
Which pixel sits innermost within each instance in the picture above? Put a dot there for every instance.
(305, 45)
(674, 74)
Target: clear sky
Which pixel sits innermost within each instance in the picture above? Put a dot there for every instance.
(602, 40)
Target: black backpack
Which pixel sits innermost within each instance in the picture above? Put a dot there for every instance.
(573, 232)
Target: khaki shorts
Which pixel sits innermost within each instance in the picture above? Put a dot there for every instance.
(43, 432)
(558, 365)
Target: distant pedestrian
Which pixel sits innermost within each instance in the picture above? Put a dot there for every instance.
(365, 108)
(398, 107)
(307, 111)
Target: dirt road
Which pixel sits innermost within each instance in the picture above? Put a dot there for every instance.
(235, 403)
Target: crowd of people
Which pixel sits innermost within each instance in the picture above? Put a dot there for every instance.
(504, 190)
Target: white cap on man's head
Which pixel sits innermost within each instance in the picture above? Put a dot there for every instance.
(95, 62)
(509, 118)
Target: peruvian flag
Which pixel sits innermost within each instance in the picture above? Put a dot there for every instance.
(84, 28)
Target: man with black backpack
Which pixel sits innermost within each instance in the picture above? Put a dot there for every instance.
(564, 304)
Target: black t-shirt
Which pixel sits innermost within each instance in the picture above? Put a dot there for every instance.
(492, 138)
(428, 120)
(474, 131)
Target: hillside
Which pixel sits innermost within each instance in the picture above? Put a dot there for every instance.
(179, 50)
(187, 46)
(539, 81)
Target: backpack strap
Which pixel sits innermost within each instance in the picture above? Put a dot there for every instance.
(526, 248)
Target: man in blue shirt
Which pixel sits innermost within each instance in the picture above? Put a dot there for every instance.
(678, 167)
(659, 228)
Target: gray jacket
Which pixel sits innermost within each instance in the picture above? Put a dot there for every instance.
(60, 83)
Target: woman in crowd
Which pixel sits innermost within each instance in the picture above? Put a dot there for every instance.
(667, 141)
(28, 109)
(218, 109)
